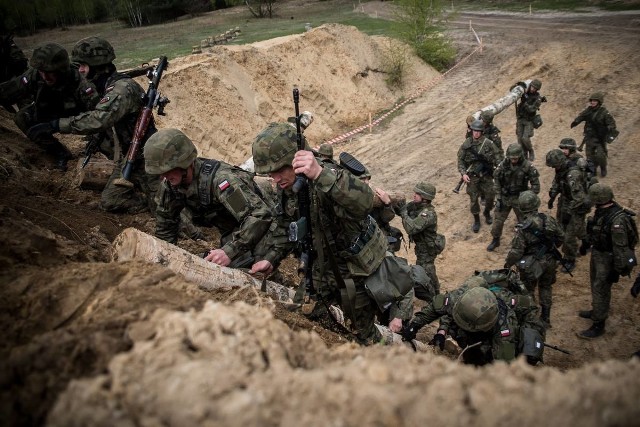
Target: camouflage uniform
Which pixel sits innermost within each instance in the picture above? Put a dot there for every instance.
(613, 236)
(477, 159)
(526, 111)
(531, 251)
(12, 63)
(599, 131)
(491, 131)
(501, 340)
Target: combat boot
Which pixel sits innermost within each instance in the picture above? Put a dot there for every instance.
(476, 223)
(603, 171)
(596, 330)
(487, 217)
(494, 244)
(584, 247)
(585, 314)
(545, 316)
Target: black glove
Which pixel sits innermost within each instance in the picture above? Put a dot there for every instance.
(574, 124)
(550, 204)
(438, 340)
(543, 99)
(409, 332)
(36, 132)
(635, 289)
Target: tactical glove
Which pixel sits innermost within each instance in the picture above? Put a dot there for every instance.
(438, 340)
(37, 132)
(409, 332)
(574, 124)
(635, 289)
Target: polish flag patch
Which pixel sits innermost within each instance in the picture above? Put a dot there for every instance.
(25, 80)
(224, 185)
(505, 333)
(88, 90)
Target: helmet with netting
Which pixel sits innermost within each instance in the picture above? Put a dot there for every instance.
(514, 150)
(476, 310)
(425, 190)
(487, 116)
(93, 51)
(555, 158)
(326, 150)
(50, 58)
(274, 148)
(528, 201)
(600, 194)
(597, 96)
(477, 125)
(536, 84)
(168, 149)
(569, 143)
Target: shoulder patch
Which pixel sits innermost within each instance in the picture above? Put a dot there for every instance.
(25, 80)
(505, 333)
(104, 100)
(424, 214)
(89, 90)
(224, 185)
(109, 89)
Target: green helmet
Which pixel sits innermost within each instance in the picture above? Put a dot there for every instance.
(425, 190)
(536, 84)
(528, 201)
(50, 58)
(569, 143)
(274, 147)
(475, 281)
(168, 149)
(600, 194)
(326, 150)
(476, 310)
(556, 158)
(477, 125)
(487, 116)
(597, 96)
(514, 150)
(93, 51)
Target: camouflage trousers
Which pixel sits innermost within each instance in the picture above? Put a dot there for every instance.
(524, 132)
(596, 151)
(544, 282)
(427, 262)
(141, 197)
(600, 273)
(507, 203)
(574, 230)
(477, 187)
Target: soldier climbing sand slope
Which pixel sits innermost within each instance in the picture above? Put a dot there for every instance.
(527, 117)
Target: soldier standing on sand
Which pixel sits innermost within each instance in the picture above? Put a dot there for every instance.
(526, 112)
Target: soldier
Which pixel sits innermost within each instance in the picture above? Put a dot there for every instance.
(491, 131)
(326, 152)
(477, 157)
(420, 221)
(613, 236)
(513, 175)
(56, 89)
(526, 115)
(12, 64)
(599, 130)
(490, 322)
(570, 182)
(215, 194)
(112, 121)
(537, 236)
(350, 246)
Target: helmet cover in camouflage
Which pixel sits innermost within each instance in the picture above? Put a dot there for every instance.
(476, 310)
(514, 150)
(528, 201)
(569, 143)
(326, 150)
(274, 148)
(50, 58)
(475, 281)
(93, 51)
(477, 125)
(425, 190)
(597, 96)
(168, 149)
(600, 194)
(555, 158)
(487, 116)
(537, 84)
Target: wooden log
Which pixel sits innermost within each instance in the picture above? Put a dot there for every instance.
(95, 174)
(134, 244)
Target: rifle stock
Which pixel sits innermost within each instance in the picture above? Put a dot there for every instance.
(459, 186)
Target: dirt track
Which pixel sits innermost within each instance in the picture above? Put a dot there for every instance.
(67, 315)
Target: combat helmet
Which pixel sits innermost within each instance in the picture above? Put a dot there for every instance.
(476, 310)
(514, 150)
(600, 194)
(597, 96)
(274, 148)
(487, 116)
(537, 84)
(425, 190)
(528, 201)
(326, 150)
(168, 149)
(50, 58)
(475, 281)
(569, 143)
(477, 125)
(93, 51)
(555, 158)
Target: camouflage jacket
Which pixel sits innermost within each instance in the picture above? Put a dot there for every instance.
(571, 182)
(598, 122)
(528, 106)
(12, 59)
(72, 94)
(226, 198)
(420, 221)
(493, 133)
(611, 230)
(510, 180)
(534, 236)
(477, 157)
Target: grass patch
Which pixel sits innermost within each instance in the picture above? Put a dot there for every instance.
(548, 5)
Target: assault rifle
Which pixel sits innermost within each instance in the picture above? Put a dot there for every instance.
(90, 149)
(152, 99)
(142, 70)
(300, 230)
(556, 348)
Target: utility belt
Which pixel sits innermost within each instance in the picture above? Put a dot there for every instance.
(366, 251)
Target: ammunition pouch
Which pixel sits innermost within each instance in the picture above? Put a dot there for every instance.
(530, 268)
(366, 251)
(390, 282)
(532, 343)
(537, 121)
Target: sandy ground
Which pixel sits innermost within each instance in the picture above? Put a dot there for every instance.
(88, 342)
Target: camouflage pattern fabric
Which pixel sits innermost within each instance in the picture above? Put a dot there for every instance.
(477, 158)
(525, 112)
(599, 124)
